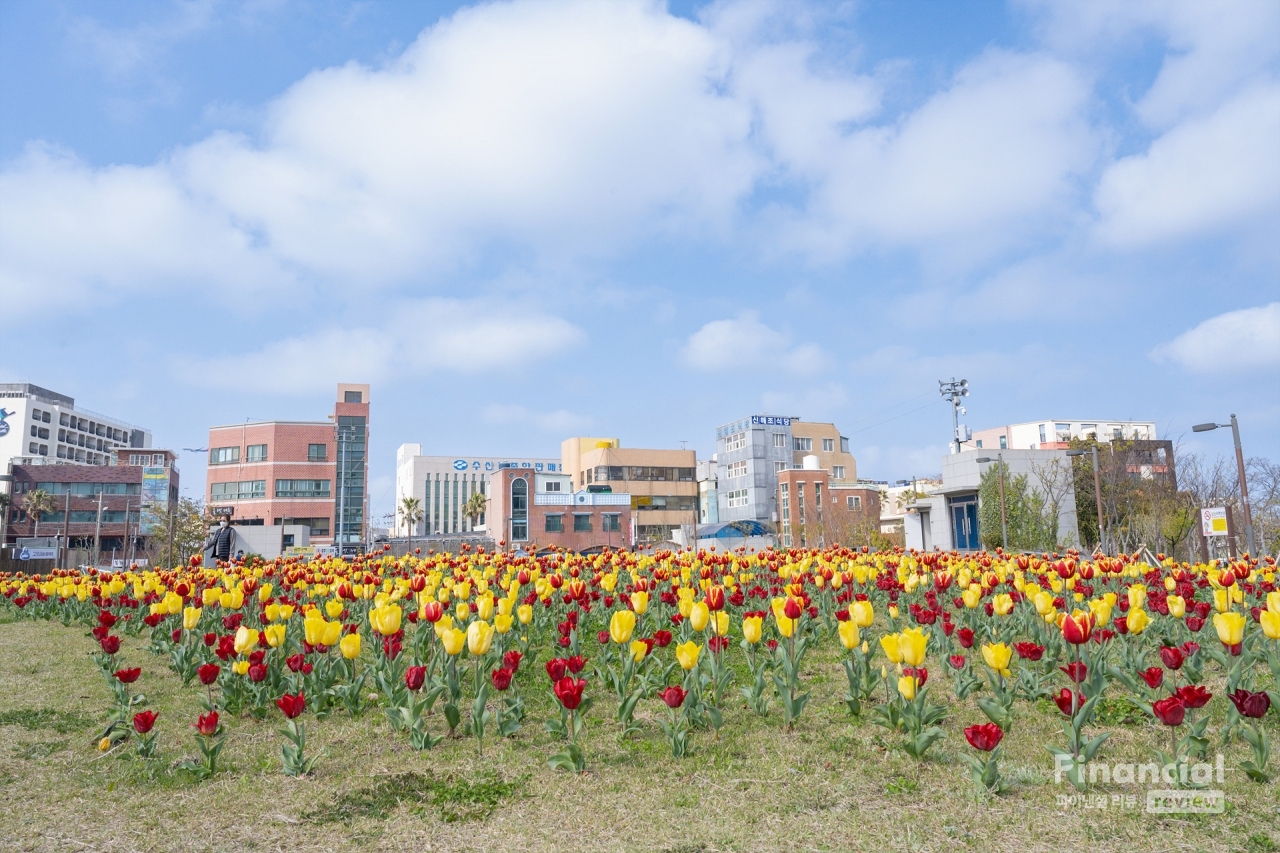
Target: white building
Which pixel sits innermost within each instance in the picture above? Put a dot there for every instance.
(38, 426)
(1057, 434)
(442, 485)
(948, 518)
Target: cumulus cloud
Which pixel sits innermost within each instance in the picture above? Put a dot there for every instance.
(1249, 338)
(745, 343)
(462, 337)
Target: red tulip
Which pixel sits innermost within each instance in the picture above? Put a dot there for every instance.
(295, 662)
(501, 678)
(414, 677)
(792, 609)
(106, 619)
(556, 669)
(569, 692)
(511, 660)
(1170, 711)
(1253, 705)
(662, 639)
(1154, 676)
(956, 661)
(1172, 657)
(1194, 696)
(985, 737)
(128, 676)
(1029, 651)
(432, 611)
(1076, 630)
(110, 644)
(576, 663)
(257, 673)
(207, 724)
(1064, 698)
(1077, 671)
(208, 673)
(674, 696)
(143, 721)
(965, 637)
(715, 598)
(292, 705)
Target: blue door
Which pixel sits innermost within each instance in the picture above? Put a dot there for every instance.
(964, 523)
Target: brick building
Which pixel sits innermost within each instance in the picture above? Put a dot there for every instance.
(662, 483)
(309, 473)
(814, 511)
(98, 508)
(533, 510)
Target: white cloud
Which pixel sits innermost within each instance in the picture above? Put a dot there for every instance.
(1249, 339)
(745, 343)
(559, 421)
(468, 337)
(120, 50)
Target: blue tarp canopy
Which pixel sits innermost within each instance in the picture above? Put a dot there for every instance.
(732, 530)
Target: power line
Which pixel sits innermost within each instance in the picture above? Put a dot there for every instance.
(896, 417)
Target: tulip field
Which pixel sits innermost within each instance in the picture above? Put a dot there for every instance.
(782, 699)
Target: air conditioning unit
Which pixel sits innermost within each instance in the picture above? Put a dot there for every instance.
(963, 433)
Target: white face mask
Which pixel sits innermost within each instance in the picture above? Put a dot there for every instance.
(222, 524)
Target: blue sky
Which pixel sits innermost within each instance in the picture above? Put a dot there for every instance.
(523, 221)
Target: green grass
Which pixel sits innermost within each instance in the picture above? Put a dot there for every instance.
(834, 783)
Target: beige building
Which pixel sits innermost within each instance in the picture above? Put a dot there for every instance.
(825, 442)
(662, 484)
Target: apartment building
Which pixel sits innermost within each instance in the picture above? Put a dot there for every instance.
(442, 486)
(661, 483)
(39, 426)
(815, 511)
(540, 510)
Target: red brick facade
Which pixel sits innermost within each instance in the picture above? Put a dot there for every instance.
(566, 507)
(813, 513)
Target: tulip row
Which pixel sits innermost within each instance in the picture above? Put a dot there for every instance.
(1011, 630)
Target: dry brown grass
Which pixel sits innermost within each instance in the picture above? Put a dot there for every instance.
(833, 784)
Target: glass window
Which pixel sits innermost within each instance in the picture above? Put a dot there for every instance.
(802, 444)
(581, 523)
(837, 472)
(554, 524)
(553, 485)
(612, 522)
(519, 509)
(779, 467)
(302, 488)
(1043, 436)
(316, 452)
(255, 453)
(844, 444)
(352, 397)
(779, 439)
(1004, 442)
(735, 442)
(828, 445)
(737, 498)
(736, 469)
(979, 443)
(223, 455)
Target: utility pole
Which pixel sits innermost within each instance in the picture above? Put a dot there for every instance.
(97, 534)
(1004, 522)
(66, 529)
(953, 392)
(1097, 497)
(1244, 485)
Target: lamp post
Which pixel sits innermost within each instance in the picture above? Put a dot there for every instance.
(1004, 523)
(1097, 496)
(1244, 486)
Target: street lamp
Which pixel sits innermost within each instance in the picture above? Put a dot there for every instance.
(1097, 496)
(1244, 487)
(1004, 524)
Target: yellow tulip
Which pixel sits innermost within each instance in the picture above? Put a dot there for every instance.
(1270, 620)
(453, 640)
(332, 633)
(484, 607)
(1137, 621)
(264, 592)
(997, 656)
(1002, 604)
(1221, 600)
(191, 618)
(274, 635)
(687, 654)
(286, 610)
(621, 626)
(1273, 602)
(1230, 627)
(699, 614)
(752, 627)
(271, 611)
(638, 650)
(786, 627)
(505, 605)
(1101, 610)
(1043, 602)
(1137, 595)
(524, 613)
(862, 614)
(972, 596)
(720, 623)
(893, 611)
(911, 643)
(892, 648)
(849, 634)
(1177, 606)
(502, 622)
(462, 612)
(246, 639)
(640, 602)
(209, 597)
(313, 629)
(173, 603)
(479, 637)
(333, 608)
(240, 667)
(385, 619)
(907, 687)
(350, 646)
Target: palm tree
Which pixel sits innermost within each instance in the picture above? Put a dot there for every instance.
(475, 507)
(36, 504)
(411, 513)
